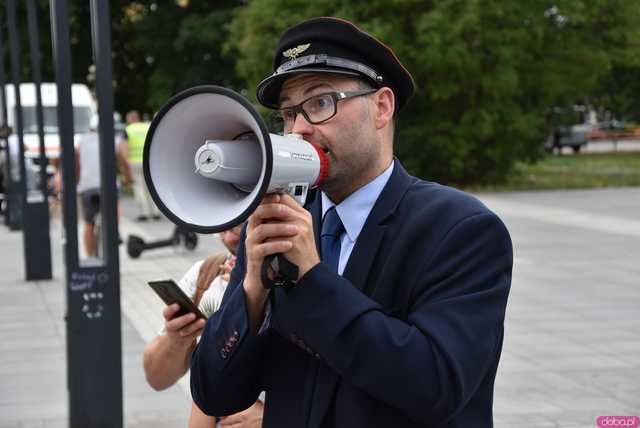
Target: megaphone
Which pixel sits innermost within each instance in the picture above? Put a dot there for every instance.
(209, 160)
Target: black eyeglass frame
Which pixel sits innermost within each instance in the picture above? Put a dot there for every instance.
(336, 96)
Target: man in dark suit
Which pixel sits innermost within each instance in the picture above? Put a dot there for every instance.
(396, 319)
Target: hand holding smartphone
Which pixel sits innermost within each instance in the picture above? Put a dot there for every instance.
(171, 293)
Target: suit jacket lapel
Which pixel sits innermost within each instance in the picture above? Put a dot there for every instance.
(372, 234)
(314, 205)
(320, 380)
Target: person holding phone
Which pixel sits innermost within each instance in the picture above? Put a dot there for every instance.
(167, 356)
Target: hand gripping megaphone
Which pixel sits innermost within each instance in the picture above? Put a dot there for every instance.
(209, 160)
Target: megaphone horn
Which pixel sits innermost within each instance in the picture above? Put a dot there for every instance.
(209, 160)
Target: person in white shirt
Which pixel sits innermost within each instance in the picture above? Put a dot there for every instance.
(167, 356)
(88, 163)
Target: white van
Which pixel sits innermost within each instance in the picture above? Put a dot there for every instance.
(84, 107)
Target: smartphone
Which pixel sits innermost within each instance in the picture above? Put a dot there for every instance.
(170, 293)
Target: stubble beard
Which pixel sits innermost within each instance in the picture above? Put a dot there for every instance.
(350, 171)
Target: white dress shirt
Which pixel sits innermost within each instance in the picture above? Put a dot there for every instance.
(354, 211)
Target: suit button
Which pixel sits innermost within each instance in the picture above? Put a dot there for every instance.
(235, 334)
(317, 355)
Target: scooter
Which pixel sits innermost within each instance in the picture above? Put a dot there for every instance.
(136, 245)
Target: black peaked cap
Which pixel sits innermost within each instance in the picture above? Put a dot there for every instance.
(334, 45)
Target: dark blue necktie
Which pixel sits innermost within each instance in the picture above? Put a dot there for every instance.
(332, 229)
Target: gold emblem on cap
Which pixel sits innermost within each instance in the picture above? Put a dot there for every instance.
(294, 52)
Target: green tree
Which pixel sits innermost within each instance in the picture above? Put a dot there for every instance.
(619, 88)
(487, 71)
(170, 46)
(77, 29)
(159, 47)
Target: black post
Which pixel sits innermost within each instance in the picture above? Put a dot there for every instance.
(15, 145)
(36, 214)
(9, 184)
(18, 152)
(101, 39)
(94, 348)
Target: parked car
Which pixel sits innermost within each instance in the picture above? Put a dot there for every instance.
(570, 129)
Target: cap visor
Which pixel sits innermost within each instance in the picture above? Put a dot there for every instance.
(268, 92)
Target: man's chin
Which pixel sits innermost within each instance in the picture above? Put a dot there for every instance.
(332, 185)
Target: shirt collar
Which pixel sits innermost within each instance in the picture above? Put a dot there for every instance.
(355, 209)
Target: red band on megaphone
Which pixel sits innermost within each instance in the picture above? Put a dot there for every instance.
(324, 166)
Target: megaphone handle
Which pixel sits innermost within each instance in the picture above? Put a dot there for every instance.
(284, 273)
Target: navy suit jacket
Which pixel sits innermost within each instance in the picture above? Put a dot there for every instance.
(409, 336)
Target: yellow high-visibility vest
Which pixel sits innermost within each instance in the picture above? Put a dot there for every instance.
(136, 133)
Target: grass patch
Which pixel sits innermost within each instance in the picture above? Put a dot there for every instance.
(582, 171)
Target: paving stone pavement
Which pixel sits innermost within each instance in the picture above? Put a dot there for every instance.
(32, 332)
(572, 342)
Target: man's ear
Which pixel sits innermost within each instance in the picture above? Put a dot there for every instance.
(385, 106)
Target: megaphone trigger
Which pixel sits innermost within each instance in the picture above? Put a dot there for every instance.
(278, 271)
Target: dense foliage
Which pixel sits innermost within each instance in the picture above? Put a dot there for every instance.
(487, 71)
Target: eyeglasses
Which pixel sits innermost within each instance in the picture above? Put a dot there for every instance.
(316, 109)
